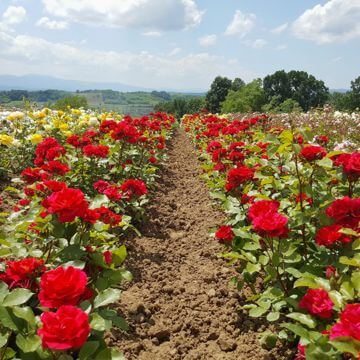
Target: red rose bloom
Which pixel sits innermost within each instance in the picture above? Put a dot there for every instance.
(101, 185)
(225, 234)
(330, 235)
(31, 175)
(23, 273)
(317, 302)
(345, 211)
(301, 352)
(62, 286)
(263, 208)
(133, 187)
(67, 204)
(108, 217)
(67, 328)
(100, 151)
(330, 271)
(351, 167)
(54, 185)
(349, 324)
(56, 167)
(312, 152)
(107, 257)
(272, 224)
(238, 176)
(112, 192)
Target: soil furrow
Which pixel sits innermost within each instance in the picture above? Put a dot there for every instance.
(180, 304)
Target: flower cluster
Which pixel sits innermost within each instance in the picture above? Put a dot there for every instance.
(293, 229)
(62, 258)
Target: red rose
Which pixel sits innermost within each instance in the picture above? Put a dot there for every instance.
(108, 217)
(330, 271)
(67, 328)
(56, 167)
(126, 132)
(225, 234)
(100, 151)
(262, 208)
(152, 160)
(345, 211)
(101, 185)
(317, 302)
(312, 152)
(112, 192)
(133, 187)
(351, 167)
(107, 257)
(54, 185)
(67, 204)
(73, 140)
(23, 273)
(301, 352)
(272, 224)
(62, 286)
(349, 324)
(238, 176)
(31, 175)
(322, 139)
(24, 202)
(330, 235)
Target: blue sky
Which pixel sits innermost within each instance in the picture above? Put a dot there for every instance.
(180, 44)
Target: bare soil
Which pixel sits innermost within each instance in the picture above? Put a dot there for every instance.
(180, 304)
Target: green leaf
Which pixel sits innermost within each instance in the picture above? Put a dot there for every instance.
(99, 323)
(106, 297)
(110, 354)
(25, 313)
(325, 163)
(252, 268)
(298, 330)
(99, 201)
(268, 339)
(346, 347)
(119, 255)
(3, 291)
(347, 261)
(6, 319)
(257, 312)
(3, 339)
(88, 349)
(355, 281)
(273, 316)
(303, 319)
(30, 343)
(17, 297)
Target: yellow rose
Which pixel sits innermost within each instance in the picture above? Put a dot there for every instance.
(6, 139)
(63, 127)
(35, 138)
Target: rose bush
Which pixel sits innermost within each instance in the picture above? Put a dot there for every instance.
(293, 226)
(78, 189)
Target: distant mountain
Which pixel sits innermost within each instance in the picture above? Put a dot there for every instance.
(41, 82)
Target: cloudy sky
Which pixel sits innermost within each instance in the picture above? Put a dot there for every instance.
(180, 44)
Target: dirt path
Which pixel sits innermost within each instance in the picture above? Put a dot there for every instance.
(180, 305)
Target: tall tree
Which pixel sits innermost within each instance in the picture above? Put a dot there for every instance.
(250, 97)
(217, 93)
(237, 84)
(297, 85)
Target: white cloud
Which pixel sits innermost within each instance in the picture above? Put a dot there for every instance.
(258, 43)
(280, 29)
(23, 54)
(208, 40)
(12, 16)
(241, 24)
(46, 23)
(175, 51)
(335, 21)
(152, 33)
(337, 59)
(150, 15)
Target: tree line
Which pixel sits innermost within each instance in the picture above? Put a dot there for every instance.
(279, 92)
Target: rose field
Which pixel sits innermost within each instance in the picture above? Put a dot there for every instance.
(208, 237)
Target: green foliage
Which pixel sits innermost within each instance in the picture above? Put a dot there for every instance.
(297, 85)
(219, 89)
(181, 106)
(250, 97)
(74, 102)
